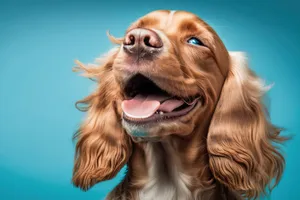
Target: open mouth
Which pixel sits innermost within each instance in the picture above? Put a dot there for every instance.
(146, 102)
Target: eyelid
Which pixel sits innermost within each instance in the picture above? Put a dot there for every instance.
(193, 36)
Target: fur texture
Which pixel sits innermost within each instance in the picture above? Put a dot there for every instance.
(225, 148)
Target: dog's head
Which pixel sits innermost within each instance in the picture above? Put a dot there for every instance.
(170, 69)
(170, 75)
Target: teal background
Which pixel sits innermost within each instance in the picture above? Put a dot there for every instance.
(39, 41)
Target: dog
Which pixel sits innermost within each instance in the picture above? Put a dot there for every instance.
(182, 112)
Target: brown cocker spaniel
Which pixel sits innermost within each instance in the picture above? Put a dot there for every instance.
(185, 115)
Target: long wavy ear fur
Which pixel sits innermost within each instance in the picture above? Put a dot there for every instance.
(242, 143)
(102, 146)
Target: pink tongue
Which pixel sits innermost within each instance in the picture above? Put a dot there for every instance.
(145, 106)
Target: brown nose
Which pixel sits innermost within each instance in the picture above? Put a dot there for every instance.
(142, 42)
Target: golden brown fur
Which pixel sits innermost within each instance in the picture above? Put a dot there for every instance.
(223, 149)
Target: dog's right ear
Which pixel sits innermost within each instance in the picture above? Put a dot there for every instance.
(103, 147)
(241, 142)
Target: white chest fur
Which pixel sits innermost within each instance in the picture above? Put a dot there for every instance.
(165, 182)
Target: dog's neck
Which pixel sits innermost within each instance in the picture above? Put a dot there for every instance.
(174, 168)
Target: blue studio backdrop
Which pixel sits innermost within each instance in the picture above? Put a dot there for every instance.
(39, 41)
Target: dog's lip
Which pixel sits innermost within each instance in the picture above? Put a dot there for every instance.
(161, 117)
(166, 90)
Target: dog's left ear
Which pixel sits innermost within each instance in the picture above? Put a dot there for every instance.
(241, 140)
(103, 147)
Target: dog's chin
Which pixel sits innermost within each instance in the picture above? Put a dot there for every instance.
(159, 129)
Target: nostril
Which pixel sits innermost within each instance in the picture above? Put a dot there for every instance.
(147, 41)
(130, 40)
(152, 40)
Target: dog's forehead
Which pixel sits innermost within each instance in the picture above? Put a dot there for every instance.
(171, 21)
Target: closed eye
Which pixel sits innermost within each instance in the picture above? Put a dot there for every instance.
(195, 41)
